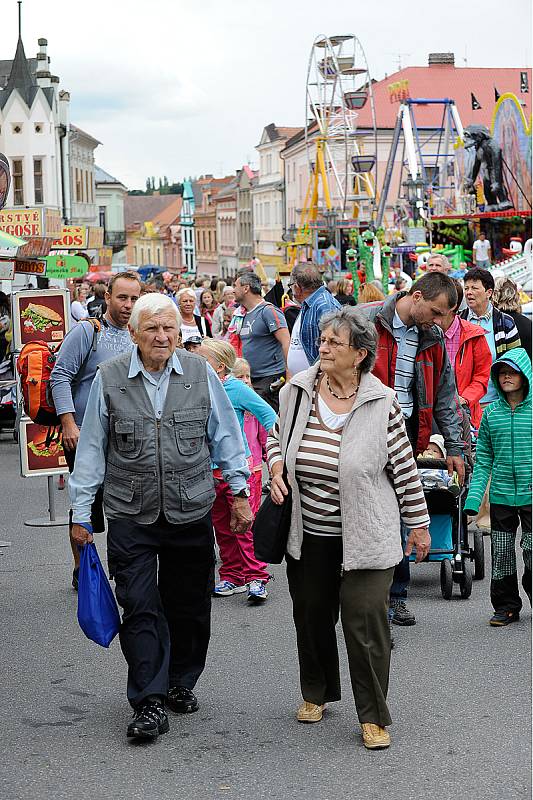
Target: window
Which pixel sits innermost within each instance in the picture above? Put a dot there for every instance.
(38, 180)
(39, 127)
(86, 186)
(101, 217)
(17, 127)
(158, 257)
(134, 253)
(78, 185)
(142, 256)
(267, 213)
(18, 183)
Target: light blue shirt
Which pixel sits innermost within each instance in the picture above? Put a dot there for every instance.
(407, 347)
(487, 323)
(223, 434)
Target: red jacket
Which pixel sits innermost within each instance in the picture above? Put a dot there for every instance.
(434, 392)
(472, 367)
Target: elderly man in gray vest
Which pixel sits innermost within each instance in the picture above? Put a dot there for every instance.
(155, 422)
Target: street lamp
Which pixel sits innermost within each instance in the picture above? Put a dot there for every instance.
(414, 188)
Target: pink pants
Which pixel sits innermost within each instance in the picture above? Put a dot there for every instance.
(256, 489)
(239, 564)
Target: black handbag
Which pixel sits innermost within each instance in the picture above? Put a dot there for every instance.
(272, 522)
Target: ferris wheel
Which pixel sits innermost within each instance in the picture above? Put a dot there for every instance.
(342, 156)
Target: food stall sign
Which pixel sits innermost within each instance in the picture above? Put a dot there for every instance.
(41, 449)
(22, 221)
(73, 237)
(64, 267)
(30, 267)
(40, 315)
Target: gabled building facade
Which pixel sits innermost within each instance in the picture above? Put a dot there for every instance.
(109, 198)
(188, 248)
(227, 233)
(268, 198)
(153, 230)
(245, 230)
(205, 224)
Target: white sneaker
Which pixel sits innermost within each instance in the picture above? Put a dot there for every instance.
(226, 588)
(257, 591)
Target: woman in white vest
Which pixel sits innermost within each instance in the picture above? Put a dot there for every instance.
(352, 474)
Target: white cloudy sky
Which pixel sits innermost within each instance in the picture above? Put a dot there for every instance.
(184, 87)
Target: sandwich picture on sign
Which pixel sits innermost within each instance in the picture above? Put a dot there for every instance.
(41, 449)
(38, 317)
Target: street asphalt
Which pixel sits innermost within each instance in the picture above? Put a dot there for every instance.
(460, 695)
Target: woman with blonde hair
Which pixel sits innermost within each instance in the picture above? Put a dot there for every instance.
(506, 298)
(368, 293)
(219, 291)
(343, 293)
(239, 570)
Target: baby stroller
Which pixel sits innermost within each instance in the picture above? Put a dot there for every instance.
(449, 530)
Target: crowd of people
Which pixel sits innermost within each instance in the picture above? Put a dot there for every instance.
(189, 399)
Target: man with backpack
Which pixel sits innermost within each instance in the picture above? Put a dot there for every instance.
(264, 336)
(86, 346)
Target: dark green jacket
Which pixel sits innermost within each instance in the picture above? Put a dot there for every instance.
(504, 444)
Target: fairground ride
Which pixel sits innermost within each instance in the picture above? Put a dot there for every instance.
(342, 159)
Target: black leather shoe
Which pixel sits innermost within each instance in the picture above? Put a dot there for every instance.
(149, 720)
(182, 701)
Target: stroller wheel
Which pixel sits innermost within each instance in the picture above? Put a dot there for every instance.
(479, 556)
(446, 578)
(465, 581)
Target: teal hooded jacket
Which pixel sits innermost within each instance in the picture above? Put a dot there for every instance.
(504, 443)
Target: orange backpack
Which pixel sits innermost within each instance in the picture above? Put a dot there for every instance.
(34, 365)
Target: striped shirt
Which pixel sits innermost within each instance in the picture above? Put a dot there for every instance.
(317, 472)
(407, 344)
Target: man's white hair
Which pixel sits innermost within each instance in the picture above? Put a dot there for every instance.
(151, 305)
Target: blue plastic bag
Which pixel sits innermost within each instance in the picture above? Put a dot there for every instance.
(98, 613)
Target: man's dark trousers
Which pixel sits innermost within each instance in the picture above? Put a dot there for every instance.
(164, 577)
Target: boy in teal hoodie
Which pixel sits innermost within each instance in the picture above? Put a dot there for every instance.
(504, 452)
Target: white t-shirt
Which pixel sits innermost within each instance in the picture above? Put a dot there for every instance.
(329, 417)
(481, 249)
(189, 330)
(296, 359)
(78, 311)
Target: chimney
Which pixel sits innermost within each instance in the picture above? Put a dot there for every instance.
(42, 75)
(441, 59)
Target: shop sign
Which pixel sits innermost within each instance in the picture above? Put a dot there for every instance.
(22, 222)
(105, 256)
(30, 267)
(40, 315)
(35, 247)
(65, 267)
(95, 238)
(73, 237)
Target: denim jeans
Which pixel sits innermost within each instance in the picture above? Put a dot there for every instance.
(402, 574)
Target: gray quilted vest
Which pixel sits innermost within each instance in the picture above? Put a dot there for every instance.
(157, 465)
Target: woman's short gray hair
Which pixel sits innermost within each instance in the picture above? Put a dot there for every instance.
(151, 305)
(361, 332)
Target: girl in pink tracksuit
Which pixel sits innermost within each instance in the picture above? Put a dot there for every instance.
(256, 436)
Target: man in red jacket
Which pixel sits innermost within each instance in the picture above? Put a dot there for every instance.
(469, 356)
(412, 359)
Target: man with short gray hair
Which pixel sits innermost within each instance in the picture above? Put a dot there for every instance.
(315, 300)
(155, 423)
(437, 262)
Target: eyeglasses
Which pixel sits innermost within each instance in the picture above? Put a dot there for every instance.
(333, 344)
